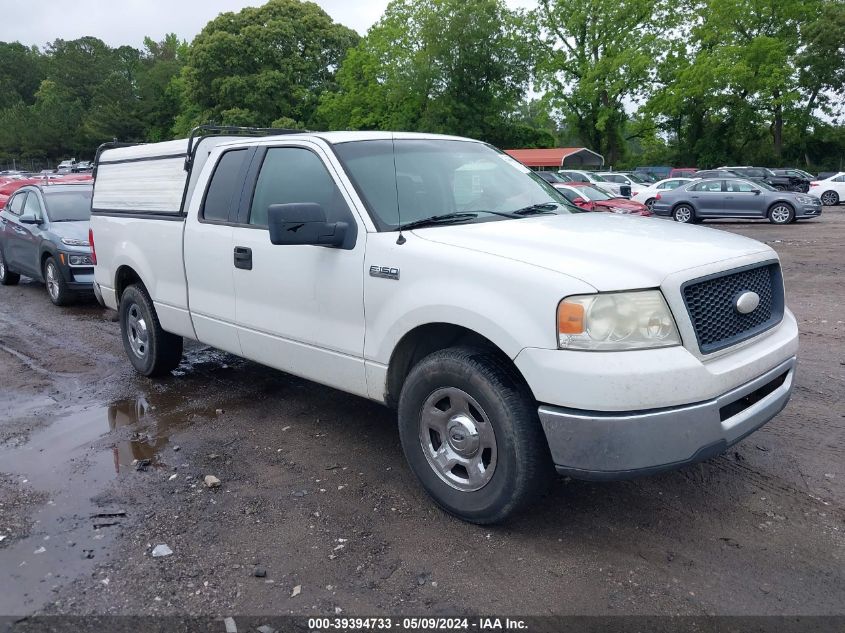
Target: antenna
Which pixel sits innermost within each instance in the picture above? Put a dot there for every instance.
(401, 239)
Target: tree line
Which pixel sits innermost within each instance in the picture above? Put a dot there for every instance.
(682, 82)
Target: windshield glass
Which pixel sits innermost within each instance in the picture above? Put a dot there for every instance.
(635, 178)
(763, 185)
(68, 205)
(595, 193)
(434, 177)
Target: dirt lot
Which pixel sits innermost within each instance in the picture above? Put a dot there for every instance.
(315, 493)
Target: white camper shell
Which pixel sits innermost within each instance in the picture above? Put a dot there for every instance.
(153, 179)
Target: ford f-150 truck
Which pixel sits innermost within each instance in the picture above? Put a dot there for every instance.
(513, 334)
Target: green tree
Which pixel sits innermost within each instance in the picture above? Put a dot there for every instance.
(21, 72)
(262, 64)
(594, 59)
(450, 66)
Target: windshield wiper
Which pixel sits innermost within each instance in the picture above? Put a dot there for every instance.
(537, 209)
(533, 209)
(434, 220)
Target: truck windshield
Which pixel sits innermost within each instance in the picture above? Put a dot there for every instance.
(409, 180)
(68, 205)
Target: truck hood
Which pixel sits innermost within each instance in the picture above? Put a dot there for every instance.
(607, 251)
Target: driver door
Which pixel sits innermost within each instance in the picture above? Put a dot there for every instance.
(298, 307)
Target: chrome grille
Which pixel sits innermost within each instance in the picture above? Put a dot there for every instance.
(711, 303)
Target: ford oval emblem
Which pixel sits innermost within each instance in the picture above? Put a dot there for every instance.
(747, 302)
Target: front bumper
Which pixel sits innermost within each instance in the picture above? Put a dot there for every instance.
(620, 445)
(77, 278)
(809, 210)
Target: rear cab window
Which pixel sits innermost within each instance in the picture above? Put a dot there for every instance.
(225, 188)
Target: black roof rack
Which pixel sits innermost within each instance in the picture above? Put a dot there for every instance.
(203, 131)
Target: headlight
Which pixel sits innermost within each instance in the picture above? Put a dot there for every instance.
(616, 321)
(805, 199)
(72, 242)
(622, 210)
(80, 260)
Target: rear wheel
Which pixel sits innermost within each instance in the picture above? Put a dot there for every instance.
(830, 198)
(684, 214)
(7, 277)
(151, 350)
(471, 434)
(781, 213)
(650, 204)
(57, 288)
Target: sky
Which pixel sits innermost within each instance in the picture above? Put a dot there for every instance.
(118, 22)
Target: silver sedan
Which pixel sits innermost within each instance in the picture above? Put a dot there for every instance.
(735, 198)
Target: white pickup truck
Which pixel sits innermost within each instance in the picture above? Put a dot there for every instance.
(514, 334)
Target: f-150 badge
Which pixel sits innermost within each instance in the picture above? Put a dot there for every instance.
(384, 272)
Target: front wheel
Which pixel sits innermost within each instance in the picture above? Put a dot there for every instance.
(57, 288)
(470, 432)
(151, 350)
(781, 213)
(684, 214)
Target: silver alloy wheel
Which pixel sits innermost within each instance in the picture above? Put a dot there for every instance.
(781, 213)
(683, 214)
(2, 267)
(52, 281)
(829, 198)
(136, 331)
(650, 204)
(458, 439)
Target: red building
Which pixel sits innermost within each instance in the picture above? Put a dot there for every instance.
(557, 158)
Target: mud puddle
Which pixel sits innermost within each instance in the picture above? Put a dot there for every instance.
(71, 462)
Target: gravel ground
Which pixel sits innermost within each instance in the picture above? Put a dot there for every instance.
(317, 514)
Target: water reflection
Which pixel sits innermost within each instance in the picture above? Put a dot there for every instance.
(146, 443)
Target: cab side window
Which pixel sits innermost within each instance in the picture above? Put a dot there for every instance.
(224, 190)
(294, 174)
(839, 179)
(16, 205)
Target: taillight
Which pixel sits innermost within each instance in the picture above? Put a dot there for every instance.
(657, 197)
(93, 250)
(815, 184)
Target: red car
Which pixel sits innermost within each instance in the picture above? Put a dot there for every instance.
(683, 172)
(592, 198)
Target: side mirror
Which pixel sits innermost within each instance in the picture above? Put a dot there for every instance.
(303, 223)
(29, 218)
(756, 192)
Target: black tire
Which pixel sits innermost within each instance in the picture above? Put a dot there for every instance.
(684, 213)
(650, 204)
(830, 198)
(7, 277)
(57, 288)
(781, 213)
(158, 352)
(522, 464)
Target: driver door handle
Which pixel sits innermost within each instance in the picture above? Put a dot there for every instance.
(243, 258)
